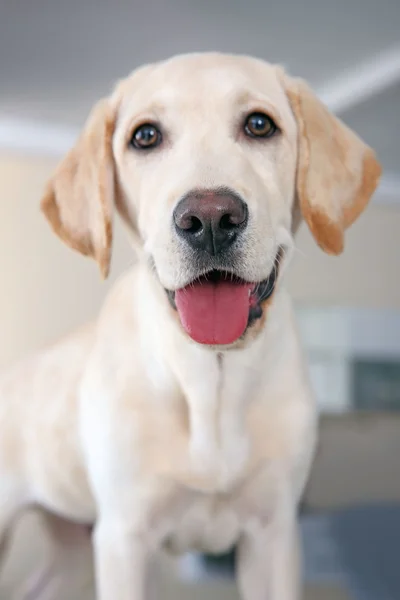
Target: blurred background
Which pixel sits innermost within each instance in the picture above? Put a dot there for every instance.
(56, 59)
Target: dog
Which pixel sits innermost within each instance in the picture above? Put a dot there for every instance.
(184, 417)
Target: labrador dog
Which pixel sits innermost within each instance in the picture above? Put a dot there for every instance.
(183, 417)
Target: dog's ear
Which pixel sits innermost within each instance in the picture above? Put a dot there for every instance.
(337, 172)
(79, 198)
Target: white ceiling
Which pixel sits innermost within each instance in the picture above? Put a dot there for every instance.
(57, 57)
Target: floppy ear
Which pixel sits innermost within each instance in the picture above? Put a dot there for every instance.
(337, 172)
(78, 200)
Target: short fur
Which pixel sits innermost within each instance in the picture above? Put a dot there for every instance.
(128, 425)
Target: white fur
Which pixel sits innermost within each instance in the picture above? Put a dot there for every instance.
(130, 426)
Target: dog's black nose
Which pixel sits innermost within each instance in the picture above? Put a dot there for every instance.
(210, 221)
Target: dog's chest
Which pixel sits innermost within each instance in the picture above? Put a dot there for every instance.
(218, 441)
(208, 523)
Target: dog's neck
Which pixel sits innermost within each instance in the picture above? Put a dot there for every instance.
(216, 386)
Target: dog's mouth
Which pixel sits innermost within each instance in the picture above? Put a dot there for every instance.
(218, 307)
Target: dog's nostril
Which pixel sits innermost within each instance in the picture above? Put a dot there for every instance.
(195, 225)
(228, 222)
(188, 222)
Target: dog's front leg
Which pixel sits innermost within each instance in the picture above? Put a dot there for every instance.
(269, 557)
(122, 560)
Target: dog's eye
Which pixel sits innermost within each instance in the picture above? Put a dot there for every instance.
(146, 136)
(259, 125)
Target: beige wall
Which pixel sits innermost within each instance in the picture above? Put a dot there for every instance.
(46, 289)
(365, 275)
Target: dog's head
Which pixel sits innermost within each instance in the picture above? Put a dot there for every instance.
(211, 160)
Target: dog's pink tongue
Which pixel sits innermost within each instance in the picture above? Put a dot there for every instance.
(214, 312)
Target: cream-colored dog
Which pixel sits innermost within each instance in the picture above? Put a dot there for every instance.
(184, 417)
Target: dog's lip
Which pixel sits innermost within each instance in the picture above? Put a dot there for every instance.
(213, 275)
(260, 290)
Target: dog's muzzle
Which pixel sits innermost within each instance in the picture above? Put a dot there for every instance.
(218, 307)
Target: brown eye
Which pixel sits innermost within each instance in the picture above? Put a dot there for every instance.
(146, 136)
(259, 125)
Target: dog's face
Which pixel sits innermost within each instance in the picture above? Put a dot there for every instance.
(209, 158)
(206, 155)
